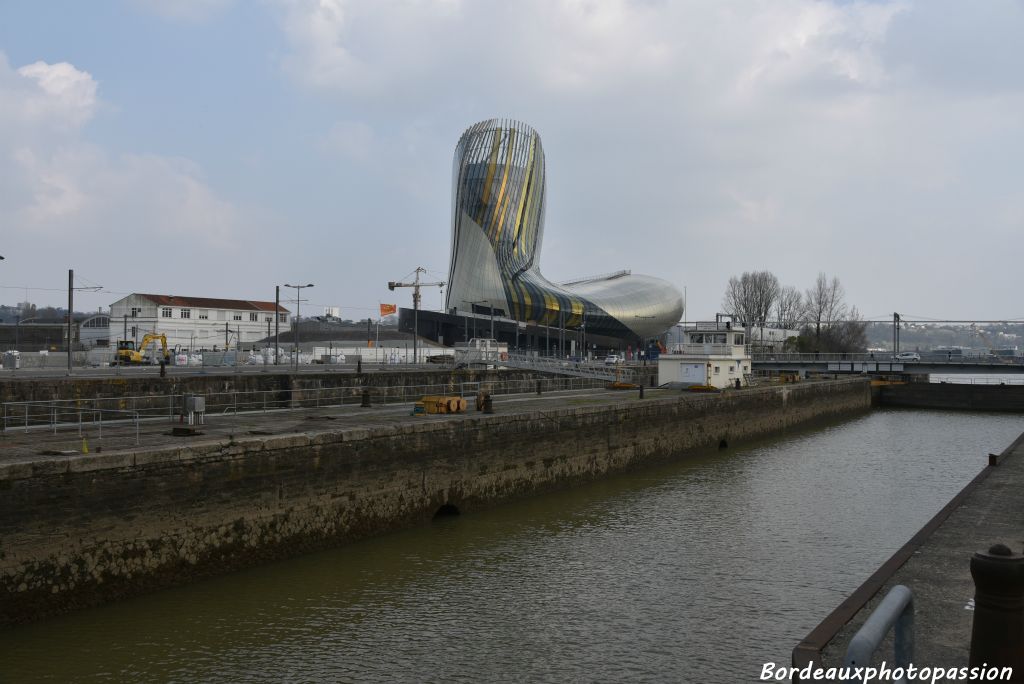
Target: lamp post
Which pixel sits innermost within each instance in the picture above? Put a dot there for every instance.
(295, 321)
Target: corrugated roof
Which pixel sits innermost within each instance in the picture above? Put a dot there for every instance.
(210, 303)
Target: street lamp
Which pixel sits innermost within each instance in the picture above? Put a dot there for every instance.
(295, 321)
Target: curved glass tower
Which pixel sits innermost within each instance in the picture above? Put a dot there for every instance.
(497, 228)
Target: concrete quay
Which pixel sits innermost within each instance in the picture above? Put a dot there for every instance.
(935, 565)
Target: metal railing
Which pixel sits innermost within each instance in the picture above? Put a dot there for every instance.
(895, 610)
(93, 413)
(59, 415)
(935, 359)
(584, 369)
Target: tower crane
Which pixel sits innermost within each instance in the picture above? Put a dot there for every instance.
(415, 285)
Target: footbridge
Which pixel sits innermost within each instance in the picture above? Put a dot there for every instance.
(559, 366)
(879, 363)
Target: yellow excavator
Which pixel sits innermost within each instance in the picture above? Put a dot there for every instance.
(127, 354)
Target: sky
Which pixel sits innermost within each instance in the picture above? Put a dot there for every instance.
(221, 147)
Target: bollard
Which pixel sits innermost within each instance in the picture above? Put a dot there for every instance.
(641, 391)
(359, 365)
(488, 407)
(538, 388)
(480, 401)
(997, 635)
(163, 369)
(366, 398)
(652, 381)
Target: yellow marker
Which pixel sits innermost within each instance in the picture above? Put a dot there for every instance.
(85, 446)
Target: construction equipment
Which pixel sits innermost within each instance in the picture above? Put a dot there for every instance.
(415, 285)
(127, 354)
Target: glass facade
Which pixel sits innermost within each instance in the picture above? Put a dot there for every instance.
(498, 199)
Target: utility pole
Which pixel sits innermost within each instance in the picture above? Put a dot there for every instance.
(895, 334)
(416, 285)
(277, 320)
(71, 307)
(295, 319)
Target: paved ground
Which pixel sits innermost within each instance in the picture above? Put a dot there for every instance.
(938, 571)
(17, 444)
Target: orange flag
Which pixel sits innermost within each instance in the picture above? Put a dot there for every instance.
(388, 309)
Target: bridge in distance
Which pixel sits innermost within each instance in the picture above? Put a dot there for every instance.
(881, 363)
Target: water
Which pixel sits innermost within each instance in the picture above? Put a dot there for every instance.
(695, 572)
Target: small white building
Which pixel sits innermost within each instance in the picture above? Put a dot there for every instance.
(195, 322)
(711, 354)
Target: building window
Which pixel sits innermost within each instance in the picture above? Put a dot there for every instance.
(186, 313)
(204, 315)
(282, 317)
(254, 317)
(136, 311)
(236, 317)
(165, 312)
(717, 368)
(739, 338)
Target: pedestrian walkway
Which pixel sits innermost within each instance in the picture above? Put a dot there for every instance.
(69, 440)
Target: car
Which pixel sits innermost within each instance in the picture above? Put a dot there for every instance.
(907, 356)
(612, 359)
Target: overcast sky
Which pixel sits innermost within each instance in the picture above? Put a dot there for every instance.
(219, 147)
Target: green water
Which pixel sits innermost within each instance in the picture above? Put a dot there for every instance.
(695, 572)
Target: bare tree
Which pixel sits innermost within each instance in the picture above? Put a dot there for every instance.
(824, 303)
(749, 299)
(789, 309)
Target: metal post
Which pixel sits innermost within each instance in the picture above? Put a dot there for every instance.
(71, 307)
(997, 634)
(277, 320)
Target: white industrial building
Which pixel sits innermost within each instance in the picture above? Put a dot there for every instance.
(710, 355)
(195, 322)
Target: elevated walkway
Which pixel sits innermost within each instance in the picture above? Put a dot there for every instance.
(557, 366)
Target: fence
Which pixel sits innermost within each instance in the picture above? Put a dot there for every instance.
(91, 414)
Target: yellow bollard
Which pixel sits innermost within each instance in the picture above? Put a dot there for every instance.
(85, 446)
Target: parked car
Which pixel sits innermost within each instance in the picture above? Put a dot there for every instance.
(612, 359)
(907, 356)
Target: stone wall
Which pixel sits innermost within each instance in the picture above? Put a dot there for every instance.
(948, 395)
(94, 528)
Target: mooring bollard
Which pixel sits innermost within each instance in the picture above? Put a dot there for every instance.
(641, 391)
(366, 398)
(359, 365)
(997, 636)
(488, 407)
(538, 388)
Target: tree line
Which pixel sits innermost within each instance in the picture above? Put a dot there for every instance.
(825, 321)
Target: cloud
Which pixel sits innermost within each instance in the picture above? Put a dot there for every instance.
(803, 132)
(56, 184)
